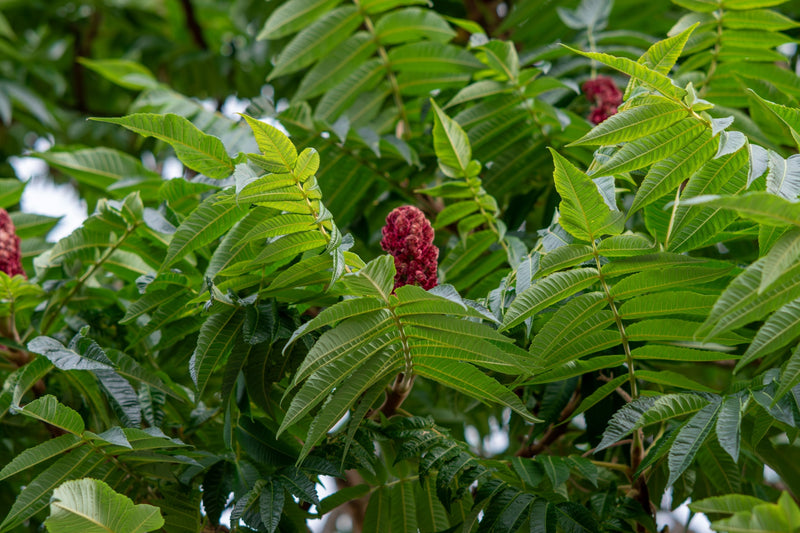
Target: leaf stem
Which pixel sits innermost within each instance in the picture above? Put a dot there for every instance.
(672, 216)
(405, 128)
(592, 48)
(618, 320)
(52, 312)
(714, 55)
(637, 449)
(401, 387)
(476, 194)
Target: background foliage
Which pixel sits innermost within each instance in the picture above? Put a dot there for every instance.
(621, 302)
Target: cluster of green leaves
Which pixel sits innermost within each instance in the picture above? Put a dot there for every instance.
(235, 330)
(50, 78)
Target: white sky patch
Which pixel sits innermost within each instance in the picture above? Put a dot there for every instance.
(172, 168)
(44, 197)
(677, 518)
(232, 106)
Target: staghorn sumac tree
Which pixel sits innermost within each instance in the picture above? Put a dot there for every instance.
(434, 231)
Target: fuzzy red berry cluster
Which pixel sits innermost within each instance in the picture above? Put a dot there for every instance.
(605, 97)
(10, 257)
(408, 237)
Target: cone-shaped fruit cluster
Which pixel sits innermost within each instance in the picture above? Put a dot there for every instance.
(408, 237)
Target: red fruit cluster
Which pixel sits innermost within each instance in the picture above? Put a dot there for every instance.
(408, 237)
(10, 258)
(604, 95)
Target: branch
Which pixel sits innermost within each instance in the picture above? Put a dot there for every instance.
(396, 395)
(193, 26)
(554, 432)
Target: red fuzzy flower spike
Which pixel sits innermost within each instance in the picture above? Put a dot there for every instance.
(408, 237)
(10, 258)
(605, 95)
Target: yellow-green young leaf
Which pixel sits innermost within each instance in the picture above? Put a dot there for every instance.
(649, 77)
(293, 15)
(209, 221)
(626, 246)
(666, 175)
(583, 213)
(564, 257)
(757, 19)
(647, 150)
(694, 226)
(451, 144)
(201, 152)
(275, 145)
(317, 40)
(662, 55)
(306, 165)
(554, 288)
(635, 122)
(91, 506)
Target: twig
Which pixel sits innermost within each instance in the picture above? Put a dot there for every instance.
(554, 432)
